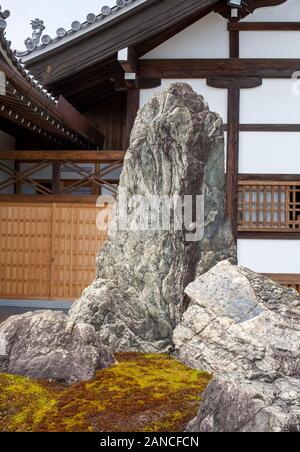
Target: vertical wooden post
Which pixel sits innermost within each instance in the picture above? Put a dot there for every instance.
(17, 186)
(233, 141)
(132, 107)
(233, 157)
(56, 177)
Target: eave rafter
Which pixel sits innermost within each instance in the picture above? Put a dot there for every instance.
(25, 102)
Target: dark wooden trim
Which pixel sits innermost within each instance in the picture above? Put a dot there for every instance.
(56, 167)
(234, 44)
(269, 127)
(205, 68)
(46, 199)
(234, 82)
(133, 105)
(130, 63)
(17, 186)
(269, 177)
(263, 26)
(78, 121)
(269, 235)
(233, 156)
(134, 26)
(73, 156)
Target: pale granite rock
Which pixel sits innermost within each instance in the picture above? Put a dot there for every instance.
(245, 330)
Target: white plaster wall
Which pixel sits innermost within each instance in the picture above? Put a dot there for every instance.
(269, 153)
(216, 98)
(270, 256)
(7, 143)
(271, 103)
(270, 44)
(206, 38)
(287, 12)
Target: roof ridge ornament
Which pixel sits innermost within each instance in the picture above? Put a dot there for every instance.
(3, 16)
(38, 27)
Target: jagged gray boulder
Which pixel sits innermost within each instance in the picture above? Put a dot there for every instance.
(47, 345)
(245, 330)
(177, 148)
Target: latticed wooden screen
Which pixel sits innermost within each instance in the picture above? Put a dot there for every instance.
(269, 206)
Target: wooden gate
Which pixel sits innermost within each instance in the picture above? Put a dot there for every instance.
(47, 251)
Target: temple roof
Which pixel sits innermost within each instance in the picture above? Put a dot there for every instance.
(25, 102)
(106, 15)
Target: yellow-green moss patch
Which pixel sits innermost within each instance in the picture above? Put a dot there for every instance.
(147, 393)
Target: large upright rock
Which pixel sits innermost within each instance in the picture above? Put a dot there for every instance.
(177, 148)
(245, 330)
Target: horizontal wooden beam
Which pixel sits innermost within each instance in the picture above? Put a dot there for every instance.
(285, 279)
(234, 82)
(205, 68)
(269, 127)
(269, 235)
(264, 26)
(266, 178)
(73, 156)
(48, 199)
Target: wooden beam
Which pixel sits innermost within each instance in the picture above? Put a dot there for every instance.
(204, 68)
(264, 26)
(233, 140)
(78, 121)
(234, 82)
(42, 199)
(133, 104)
(128, 59)
(268, 178)
(269, 127)
(269, 235)
(73, 156)
(56, 168)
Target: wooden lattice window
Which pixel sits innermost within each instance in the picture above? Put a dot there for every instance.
(269, 206)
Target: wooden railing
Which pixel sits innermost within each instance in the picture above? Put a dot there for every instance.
(90, 170)
(266, 206)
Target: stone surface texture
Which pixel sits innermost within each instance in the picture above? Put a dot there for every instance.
(177, 148)
(47, 345)
(245, 330)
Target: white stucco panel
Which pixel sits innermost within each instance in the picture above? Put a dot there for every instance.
(272, 103)
(287, 12)
(206, 38)
(269, 153)
(270, 256)
(270, 44)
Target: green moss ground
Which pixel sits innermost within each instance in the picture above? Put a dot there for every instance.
(142, 393)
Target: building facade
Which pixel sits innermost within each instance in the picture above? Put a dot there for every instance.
(244, 61)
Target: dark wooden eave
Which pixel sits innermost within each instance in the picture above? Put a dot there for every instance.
(26, 102)
(149, 20)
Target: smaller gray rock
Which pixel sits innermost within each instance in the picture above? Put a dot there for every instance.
(249, 407)
(47, 345)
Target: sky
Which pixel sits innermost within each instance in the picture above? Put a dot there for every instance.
(55, 13)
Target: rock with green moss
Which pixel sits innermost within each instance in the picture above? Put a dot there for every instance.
(176, 148)
(48, 345)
